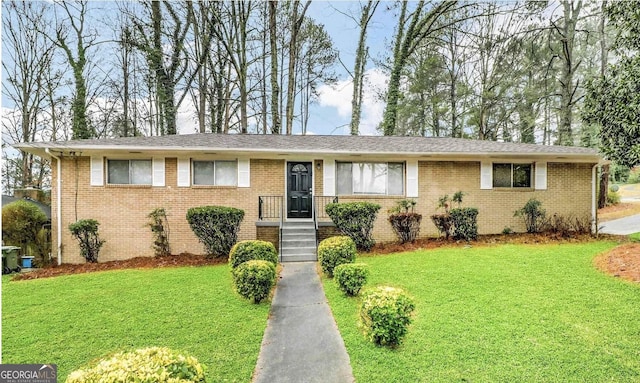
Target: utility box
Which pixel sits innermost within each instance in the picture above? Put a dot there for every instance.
(10, 259)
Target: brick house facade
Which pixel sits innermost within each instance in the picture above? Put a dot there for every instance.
(120, 181)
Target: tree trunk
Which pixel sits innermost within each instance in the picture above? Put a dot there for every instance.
(604, 186)
(360, 63)
(275, 87)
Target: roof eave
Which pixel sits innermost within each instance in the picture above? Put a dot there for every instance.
(40, 149)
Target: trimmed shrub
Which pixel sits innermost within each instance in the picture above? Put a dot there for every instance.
(405, 223)
(254, 279)
(216, 227)
(355, 219)
(613, 197)
(153, 364)
(385, 315)
(253, 249)
(350, 277)
(335, 251)
(22, 224)
(86, 232)
(443, 223)
(465, 223)
(533, 215)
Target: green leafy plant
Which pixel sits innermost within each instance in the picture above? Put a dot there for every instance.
(335, 251)
(457, 198)
(613, 198)
(465, 223)
(244, 251)
(153, 364)
(254, 279)
(385, 315)
(216, 227)
(507, 230)
(533, 215)
(350, 277)
(22, 225)
(160, 228)
(355, 219)
(405, 223)
(86, 232)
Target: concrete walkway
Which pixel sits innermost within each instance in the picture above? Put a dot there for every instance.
(301, 343)
(622, 226)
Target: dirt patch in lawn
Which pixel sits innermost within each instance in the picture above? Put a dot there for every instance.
(621, 210)
(621, 262)
(184, 259)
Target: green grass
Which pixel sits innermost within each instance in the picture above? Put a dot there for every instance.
(635, 237)
(73, 320)
(512, 313)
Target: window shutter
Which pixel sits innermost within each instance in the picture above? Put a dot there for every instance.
(157, 169)
(97, 171)
(412, 179)
(244, 174)
(486, 175)
(184, 172)
(329, 177)
(541, 176)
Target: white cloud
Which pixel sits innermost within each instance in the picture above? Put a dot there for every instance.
(339, 96)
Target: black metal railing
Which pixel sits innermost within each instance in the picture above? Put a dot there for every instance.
(320, 202)
(270, 207)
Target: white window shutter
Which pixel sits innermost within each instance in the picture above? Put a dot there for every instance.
(157, 169)
(97, 171)
(486, 175)
(541, 176)
(184, 172)
(244, 174)
(329, 177)
(412, 179)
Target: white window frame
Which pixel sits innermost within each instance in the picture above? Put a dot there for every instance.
(404, 178)
(193, 172)
(129, 168)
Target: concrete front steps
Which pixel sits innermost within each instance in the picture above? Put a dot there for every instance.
(298, 242)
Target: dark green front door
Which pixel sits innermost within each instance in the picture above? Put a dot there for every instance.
(299, 186)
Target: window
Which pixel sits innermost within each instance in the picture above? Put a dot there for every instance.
(217, 173)
(370, 178)
(512, 175)
(129, 172)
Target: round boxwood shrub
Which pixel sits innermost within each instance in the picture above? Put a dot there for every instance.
(385, 314)
(254, 279)
(350, 277)
(335, 251)
(216, 227)
(252, 249)
(154, 364)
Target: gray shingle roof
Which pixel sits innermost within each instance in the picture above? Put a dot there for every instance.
(313, 144)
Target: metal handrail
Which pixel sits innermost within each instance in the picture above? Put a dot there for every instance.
(270, 207)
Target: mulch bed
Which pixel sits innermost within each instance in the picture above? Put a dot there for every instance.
(184, 259)
(623, 261)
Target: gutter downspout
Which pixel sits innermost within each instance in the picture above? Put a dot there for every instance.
(58, 204)
(594, 197)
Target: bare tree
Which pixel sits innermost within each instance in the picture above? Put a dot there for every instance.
(28, 67)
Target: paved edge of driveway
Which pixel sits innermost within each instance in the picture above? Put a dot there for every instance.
(621, 226)
(301, 343)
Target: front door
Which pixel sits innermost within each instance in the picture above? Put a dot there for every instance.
(299, 184)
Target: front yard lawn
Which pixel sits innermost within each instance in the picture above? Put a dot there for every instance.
(512, 313)
(73, 320)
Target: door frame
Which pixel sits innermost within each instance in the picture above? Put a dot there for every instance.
(286, 189)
